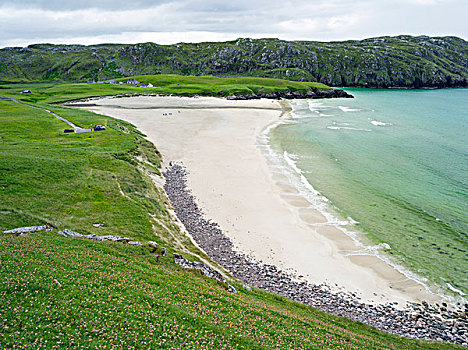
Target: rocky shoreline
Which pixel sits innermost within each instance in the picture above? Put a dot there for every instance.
(435, 322)
(314, 93)
(289, 95)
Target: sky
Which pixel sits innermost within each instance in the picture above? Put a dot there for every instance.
(167, 22)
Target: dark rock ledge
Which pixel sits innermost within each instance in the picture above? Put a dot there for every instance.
(315, 93)
(426, 321)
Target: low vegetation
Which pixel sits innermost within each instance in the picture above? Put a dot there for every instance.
(58, 292)
(401, 61)
(163, 84)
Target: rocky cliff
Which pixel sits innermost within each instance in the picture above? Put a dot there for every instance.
(402, 61)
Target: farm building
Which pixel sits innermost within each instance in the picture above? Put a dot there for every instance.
(133, 81)
(146, 85)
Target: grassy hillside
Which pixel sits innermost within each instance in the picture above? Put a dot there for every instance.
(72, 293)
(163, 84)
(58, 292)
(401, 61)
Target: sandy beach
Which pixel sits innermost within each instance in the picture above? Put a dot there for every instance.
(235, 185)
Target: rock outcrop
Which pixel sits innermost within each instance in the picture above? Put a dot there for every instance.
(26, 230)
(316, 93)
(206, 270)
(401, 61)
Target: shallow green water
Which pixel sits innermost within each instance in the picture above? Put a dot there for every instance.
(397, 162)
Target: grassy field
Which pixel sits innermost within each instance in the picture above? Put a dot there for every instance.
(58, 292)
(164, 85)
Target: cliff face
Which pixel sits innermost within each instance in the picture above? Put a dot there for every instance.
(402, 61)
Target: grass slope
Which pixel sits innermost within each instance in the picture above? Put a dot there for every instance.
(58, 292)
(169, 84)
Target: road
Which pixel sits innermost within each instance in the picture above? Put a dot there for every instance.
(77, 129)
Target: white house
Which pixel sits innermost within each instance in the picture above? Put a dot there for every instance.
(146, 85)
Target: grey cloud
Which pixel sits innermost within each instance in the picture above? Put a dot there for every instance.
(53, 20)
(70, 5)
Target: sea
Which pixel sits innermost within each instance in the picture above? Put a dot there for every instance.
(390, 169)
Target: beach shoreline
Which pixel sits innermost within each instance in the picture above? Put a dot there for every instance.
(240, 209)
(260, 212)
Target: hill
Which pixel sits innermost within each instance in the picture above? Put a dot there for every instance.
(401, 61)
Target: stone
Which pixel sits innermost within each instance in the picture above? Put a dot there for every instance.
(206, 270)
(28, 229)
(71, 233)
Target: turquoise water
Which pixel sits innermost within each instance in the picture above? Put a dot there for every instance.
(395, 161)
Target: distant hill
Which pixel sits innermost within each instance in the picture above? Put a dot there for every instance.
(402, 61)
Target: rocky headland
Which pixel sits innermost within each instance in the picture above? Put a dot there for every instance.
(315, 93)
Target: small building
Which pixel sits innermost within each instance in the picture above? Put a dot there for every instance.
(101, 82)
(146, 85)
(26, 92)
(112, 82)
(133, 81)
(90, 82)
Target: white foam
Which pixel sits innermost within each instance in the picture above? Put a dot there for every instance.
(453, 289)
(333, 127)
(377, 123)
(341, 124)
(314, 105)
(289, 159)
(348, 109)
(379, 247)
(294, 115)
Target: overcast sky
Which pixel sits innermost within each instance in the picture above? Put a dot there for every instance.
(166, 22)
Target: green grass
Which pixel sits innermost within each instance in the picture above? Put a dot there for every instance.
(164, 85)
(58, 292)
(75, 180)
(224, 86)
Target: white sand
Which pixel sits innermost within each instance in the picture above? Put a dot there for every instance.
(234, 185)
